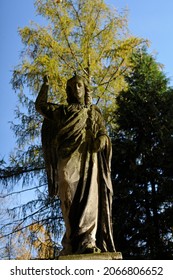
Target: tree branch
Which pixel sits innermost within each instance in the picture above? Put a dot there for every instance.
(6, 195)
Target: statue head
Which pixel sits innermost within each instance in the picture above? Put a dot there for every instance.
(77, 91)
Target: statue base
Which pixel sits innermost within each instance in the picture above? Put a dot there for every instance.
(93, 256)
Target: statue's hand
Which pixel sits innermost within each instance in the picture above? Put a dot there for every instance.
(45, 79)
(100, 143)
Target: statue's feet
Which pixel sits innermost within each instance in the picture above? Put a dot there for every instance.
(65, 252)
(88, 249)
(92, 250)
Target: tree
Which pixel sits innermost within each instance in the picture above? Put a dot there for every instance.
(35, 242)
(96, 46)
(142, 164)
(86, 37)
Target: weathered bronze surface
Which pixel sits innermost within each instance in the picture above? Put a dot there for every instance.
(77, 153)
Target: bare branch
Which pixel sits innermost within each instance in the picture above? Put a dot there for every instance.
(10, 172)
(31, 224)
(112, 78)
(12, 193)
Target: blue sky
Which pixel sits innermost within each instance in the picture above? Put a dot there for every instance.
(149, 19)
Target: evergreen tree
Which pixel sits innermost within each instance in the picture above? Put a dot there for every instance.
(143, 162)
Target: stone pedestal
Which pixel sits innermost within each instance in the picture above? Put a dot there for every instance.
(96, 256)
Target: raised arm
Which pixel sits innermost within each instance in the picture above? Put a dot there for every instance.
(41, 104)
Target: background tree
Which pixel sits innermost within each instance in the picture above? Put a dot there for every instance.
(143, 162)
(86, 37)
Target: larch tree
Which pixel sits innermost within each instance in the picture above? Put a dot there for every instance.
(84, 37)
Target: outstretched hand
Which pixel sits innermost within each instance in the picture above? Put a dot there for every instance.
(45, 79)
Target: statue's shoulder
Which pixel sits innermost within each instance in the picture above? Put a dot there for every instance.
(58, 108)
(54, 112)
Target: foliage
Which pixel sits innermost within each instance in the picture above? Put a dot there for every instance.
(142, 163)
(35, 225)
(35, 242)
(86, 37)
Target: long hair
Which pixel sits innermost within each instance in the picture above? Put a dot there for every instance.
(71, 98)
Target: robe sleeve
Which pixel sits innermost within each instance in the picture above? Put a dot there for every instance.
(41, 104)
(48, 137)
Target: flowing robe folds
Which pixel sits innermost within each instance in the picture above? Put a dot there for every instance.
(77, 173)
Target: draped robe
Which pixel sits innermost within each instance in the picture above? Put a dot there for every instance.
(78, 174)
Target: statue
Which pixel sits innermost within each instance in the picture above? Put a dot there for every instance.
(77, 153)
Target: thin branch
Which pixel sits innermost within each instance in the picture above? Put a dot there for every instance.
(68, 64)
(112, 78)
(22, 219)
(103, 29)
(29, 216)
(18, 171)
(68, 43)
(12, 193)
(63, 58)
(77, 15)
(24, 227)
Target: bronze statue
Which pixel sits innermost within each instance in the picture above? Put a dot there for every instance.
(77, 153)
